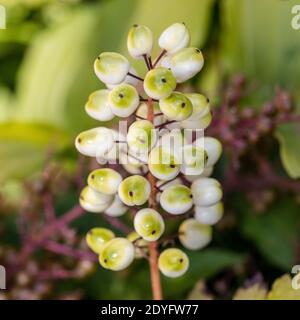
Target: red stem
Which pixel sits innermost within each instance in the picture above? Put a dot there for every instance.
(153, 246)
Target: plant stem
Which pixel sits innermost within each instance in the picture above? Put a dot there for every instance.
(153, 252)
(135, 76)
(155, 276)
(64, 250)
(163, 52)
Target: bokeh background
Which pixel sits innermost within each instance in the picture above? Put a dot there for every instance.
(46, 75)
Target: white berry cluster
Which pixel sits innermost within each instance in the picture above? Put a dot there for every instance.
(158, 115)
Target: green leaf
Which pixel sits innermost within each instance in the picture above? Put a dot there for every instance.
(274, 233)
(57, 74)
(258, 40)
(24, 147)
(288, 136)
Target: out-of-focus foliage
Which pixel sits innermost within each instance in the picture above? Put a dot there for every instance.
(258, 39)
(254, 292)
(275, 233)
(287, 135)
(23, 147)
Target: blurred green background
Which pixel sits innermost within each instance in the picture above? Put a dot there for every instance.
(46, 75)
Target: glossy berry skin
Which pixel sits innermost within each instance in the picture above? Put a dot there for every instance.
(93, 201)
(141, 245)
(111, 67)
(186, 63)
(94, 142)
(159, 83)
(134, 190)
(128, 79)
(96, 238)
(194, 159)
(117, 208)
(123, 100)
(176, 199)
(98, 107)
(213, 148)
(149, 224)
(206, 191)
(209, 215)
(176, 107)
(163, 164)
(173, 262)
(201, 123)
(194, 235)
(169, 168)
(139, 41)
(117, 254)
(105, 180)
(201, 106)
(141, 136)
(174, 38)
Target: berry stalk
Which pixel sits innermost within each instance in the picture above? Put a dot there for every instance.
(153, 252)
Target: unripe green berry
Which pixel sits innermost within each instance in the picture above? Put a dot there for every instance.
(209, 215)
(213, 148)
(207, 172)
(149, 224)
(174, 38)
(159, 83)
(95, 141)
(141, 136)
(176, 199)
(94, 201)
(201, 123)
(194, 235)
(105, 180)
(117, 254)
(98, 107)
(194, 159)
(163, 164)
(173, 262)
(176, 107)
(96, 238)
(134, 190)
(186, 63)
(128, 79)
(200, 104)
(206, 191)
(111, 67)
(139, 41)
(138, 169)
(116, 209)
(123, 100)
